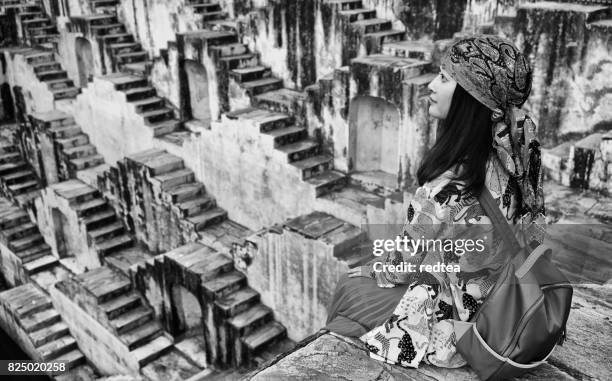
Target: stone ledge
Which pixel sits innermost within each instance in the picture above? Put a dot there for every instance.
(330, 356)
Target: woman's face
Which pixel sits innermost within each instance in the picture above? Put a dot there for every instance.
(442, 89)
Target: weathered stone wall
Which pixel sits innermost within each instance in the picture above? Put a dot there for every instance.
(49, 206)
(10, 265)
(19, 73)
(572, 70)
(108, 354)
(296, 272)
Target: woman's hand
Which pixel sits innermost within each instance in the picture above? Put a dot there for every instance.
(364, 271)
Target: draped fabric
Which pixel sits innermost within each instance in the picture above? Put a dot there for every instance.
(420, 325)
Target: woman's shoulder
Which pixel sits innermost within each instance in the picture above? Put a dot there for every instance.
(446, 195)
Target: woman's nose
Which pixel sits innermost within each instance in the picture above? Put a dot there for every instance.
(432, 84)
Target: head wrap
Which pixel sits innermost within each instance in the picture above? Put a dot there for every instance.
(498, 75)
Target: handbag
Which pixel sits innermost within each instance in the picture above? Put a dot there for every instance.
(523, 317)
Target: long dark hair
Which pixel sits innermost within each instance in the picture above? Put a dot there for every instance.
(466, 138)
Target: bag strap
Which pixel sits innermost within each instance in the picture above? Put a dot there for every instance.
(499, 221)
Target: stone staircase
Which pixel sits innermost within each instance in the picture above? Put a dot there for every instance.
(106, 233)
(50, 338)
(37, 27)
(153, 109)
(178, 188)
(125, 313)
(240, 331)
(20, 235)
(49, 71)
(17, 179)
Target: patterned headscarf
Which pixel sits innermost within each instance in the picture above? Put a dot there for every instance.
(497, 74)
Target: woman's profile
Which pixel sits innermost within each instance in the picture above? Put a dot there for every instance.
(406, 317)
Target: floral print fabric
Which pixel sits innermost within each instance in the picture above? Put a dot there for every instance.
(421, 327)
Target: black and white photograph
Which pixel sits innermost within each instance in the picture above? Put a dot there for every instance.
(279, 190)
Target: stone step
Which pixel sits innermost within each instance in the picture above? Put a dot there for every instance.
(313, 166)
(9, 157)
(211, 16)
(51, 75)
(42, 263)
(30, 16)
(301, 150)
(250, 73)
(26, 242)
(409, 49)
(196, 205)
(40, 320)
(285, 136)
(47, 39)
(67, 92)
(13, 217)
(358, 14)
(232, 49)
(107, 231)
(283, 100)
(76, 191)
(152, 350)
(205, 8)
(62, 83)
(223, 25)
(91, 207)
(208, 218)
(159, 115)
(385, 36)
(264, 336)
(175, 178)
(125, 82)
(74, 141)
(85, 150)
(33, 22)
(327, 182)
(250, 320)
(262, 85)
(141, 335)
(41, 30)
(139, 93)
(148, 104)
(116, 306)
(237, 302)
(19, 176)
(114, 244)
(131, 319)
(165, 127)
(100, 19)
(103, 217)
(114, 38)
(345, 5)
(57, 347)
(239, 61)
(34, 253)
(106, 29)
(86, 162)
(40, 57)
(20, 231)
(103, 3)
(26, 186)
(162, 163)
(224, 284)
(105, 284)
(72, 359)
(129, 57)
(207, 263)
(124, 47)
(8, 168)
(67, 132)
(8, 149)
(184, 192)
(48, 334)
(46, 67)
(265, 119)
(372, 25)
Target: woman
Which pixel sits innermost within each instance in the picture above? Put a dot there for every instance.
(406, 317)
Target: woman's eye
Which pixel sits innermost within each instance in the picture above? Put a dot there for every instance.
(442, 77)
